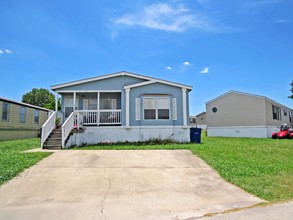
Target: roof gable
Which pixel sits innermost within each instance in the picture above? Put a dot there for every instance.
(148, 80)
(246, 94)
(24, 104)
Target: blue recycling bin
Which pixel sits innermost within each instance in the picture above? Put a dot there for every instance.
(195, 135)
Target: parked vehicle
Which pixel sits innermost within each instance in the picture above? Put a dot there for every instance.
(285, 132)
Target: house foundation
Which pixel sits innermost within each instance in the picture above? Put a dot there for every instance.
(95, 135)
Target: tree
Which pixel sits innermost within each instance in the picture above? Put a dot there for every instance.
(291, 96)
(40, 97)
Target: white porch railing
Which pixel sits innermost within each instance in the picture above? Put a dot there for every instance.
(47, 128)
(89, 117)
(67, 127)
(98, 117)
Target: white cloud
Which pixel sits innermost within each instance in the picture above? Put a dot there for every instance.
(165, 17)
(3, 51)
(282, 21)
(186, 63)
(7, 51)
(168, 68)
(205, 70)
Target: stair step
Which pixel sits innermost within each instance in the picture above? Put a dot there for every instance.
(55, 138)
(52, 148)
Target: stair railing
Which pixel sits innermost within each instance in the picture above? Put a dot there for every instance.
(47, 128)
(67, 127)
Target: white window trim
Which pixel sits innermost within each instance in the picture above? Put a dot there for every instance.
(157, 97)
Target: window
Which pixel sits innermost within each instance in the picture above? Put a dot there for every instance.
(68, 111)
(22, 114)
(156, 107)
(285, 112)
(192, 120)
(214, 109)
(108, 103)
(36, 116)
(277, 113)
(5, 111)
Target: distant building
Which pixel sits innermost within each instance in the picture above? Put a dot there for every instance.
(238, 114)
(198, 120)
(20, 120)
(192, 120)
(201, 120)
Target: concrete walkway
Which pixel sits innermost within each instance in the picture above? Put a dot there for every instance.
(128, 185)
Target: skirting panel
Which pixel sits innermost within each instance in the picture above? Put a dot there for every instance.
(244, 131)
(18, 134)
(93, 135)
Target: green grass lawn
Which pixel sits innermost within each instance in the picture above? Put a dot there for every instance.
(13, 161)
(263, 167)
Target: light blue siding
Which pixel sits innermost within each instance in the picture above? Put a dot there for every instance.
(114, 83)
(118, 83)
(156, 89)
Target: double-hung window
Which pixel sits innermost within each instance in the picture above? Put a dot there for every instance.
(22, 114)
(277, 113)
(36, 118)
(5, 111)
(156, 107)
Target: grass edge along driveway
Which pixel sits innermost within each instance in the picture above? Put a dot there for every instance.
(12, 159)
(263, 167)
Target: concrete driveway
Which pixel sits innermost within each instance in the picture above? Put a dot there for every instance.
(152, 184)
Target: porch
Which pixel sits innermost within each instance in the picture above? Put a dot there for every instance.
(92, 108)
(84, 109)
(97, 117)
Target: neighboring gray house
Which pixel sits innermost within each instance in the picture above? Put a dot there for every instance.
(238, 114)
(20, 120)
(121, 106)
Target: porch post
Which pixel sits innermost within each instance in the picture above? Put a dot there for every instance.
(98, 108)
(127, 91)
(74, 100)
(184, 107)
(56, 102)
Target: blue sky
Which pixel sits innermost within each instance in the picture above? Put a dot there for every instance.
(213, 45)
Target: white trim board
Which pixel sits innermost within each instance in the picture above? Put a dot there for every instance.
(122, 73)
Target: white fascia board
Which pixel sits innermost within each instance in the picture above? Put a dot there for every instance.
(122, 73)
(157, 81)
(86, 91)
(139, 84)
(87, 80)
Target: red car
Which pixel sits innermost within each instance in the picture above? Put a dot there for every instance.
(285, 132)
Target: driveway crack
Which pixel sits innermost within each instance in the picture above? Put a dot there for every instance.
(106, 193)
